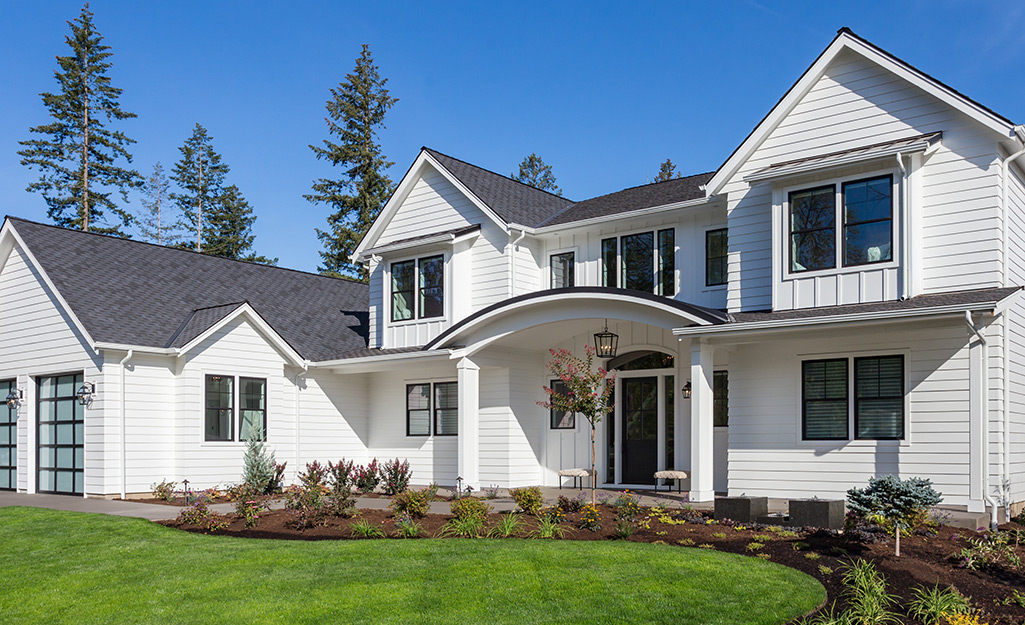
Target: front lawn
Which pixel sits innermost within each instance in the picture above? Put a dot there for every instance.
(64, 567)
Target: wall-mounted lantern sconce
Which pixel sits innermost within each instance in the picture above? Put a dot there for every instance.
(686, 390)
(85, 393)
(605, 342)
(14, 397)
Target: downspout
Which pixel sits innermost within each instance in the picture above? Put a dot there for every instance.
(124, 421)
(1005, 404)
(512, 260)
(993, 505)
(905, 237)
(298, 378)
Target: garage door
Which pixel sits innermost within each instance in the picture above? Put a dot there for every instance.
(61, 436)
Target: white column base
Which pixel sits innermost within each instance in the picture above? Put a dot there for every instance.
(698, 496)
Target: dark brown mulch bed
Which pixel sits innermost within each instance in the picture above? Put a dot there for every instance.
(924, 560)
(177, 501)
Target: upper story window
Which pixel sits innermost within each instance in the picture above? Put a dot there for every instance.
(645, 261)
(562, 270)
(418, 288)
(848, 224)
(715, 257)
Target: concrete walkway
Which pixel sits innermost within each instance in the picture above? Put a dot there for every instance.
(153, 512)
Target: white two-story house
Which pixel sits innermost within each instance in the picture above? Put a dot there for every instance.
(838, 300)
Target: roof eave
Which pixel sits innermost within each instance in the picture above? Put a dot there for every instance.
(640, 212)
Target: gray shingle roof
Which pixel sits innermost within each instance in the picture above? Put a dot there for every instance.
(513, 201)
(141, 294)
(634, 198)
(975, 297)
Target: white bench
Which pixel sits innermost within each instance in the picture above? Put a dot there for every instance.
(577, 475)
(670, 475)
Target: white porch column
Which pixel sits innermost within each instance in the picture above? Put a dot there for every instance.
(468, 454)
(701, 430)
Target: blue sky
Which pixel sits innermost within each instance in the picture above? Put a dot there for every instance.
(602, 91)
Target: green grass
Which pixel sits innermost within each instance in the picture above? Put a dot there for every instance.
(64, 567)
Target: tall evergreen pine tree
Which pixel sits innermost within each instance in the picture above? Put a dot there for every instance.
(355, 111)
(160, 221)
(666, 171)
(229, 229)
(78, 161)
(200, 177)
(535, 173)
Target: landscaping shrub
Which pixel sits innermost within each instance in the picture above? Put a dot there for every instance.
(867, 599)
(258, 465)
(529, 499)
(278, 481)
(249, 509)
(992, 549)
(899, 505)
(571, 505)
(395, 476)
(198, 513)
(491, 492)
(308, 500)
(468, 527)
(590, 519)
(627, 506)
(407, 527)
(470, 508)
(315, 474)
(931, 605)
(548, 529)
(508, 525)
(164, 490)
(624, 529)
(365, 529)
(366, 478)
(340, 474)
(554, 514)
(415, 503)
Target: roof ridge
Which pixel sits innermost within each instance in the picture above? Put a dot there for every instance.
(494, 173)
(178, 249)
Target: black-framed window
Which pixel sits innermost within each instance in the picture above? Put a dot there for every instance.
(720, 399)
(418, 410)
(868, 221)
(446, 409)
(61, 435)
(418, 288)
(219, 404)
(8, 438)
(562, 270)
(879, 397)
(824, 399)
(609, 263)
(813, 229)
(561, 419)
(665, 267)
(432, 287)
(636, 252)
(252, 399)
(669, 397)
(715, 257)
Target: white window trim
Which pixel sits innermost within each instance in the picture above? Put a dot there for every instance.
(654, 230)
(851, 441)
(576, 264)
(837, 182)
(446, 256)
(236, 418)
(704, 260)
(431, 435)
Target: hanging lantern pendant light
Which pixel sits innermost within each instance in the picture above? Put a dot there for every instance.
(605, 342)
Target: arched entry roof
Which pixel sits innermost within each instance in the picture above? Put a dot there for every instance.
(533, 309)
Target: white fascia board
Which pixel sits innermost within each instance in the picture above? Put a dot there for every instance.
(364, 360)
(845, 41)
(9, 233)
(424, 159)
(785, 172)
(445, 237)
(253, 317)
(881, 316)
(142, 349)
(641, 212)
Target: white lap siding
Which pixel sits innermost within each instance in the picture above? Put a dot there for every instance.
(38, 339)
(1016, 333)
(766, 453)
(333, 419)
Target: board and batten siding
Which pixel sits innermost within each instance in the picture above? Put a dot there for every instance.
(1015, 318)
(858, 103)
(37, 339)
(767, 456)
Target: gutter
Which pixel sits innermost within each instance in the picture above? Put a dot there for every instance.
(298, 378)
(701, 201)
(905, 238)
(993, 505)
(124, 420)
(383, 358)
(1005, 404)
(514, 245)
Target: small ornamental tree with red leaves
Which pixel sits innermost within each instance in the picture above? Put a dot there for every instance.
(588, 390)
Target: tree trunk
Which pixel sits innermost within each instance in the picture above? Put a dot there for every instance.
(897, 548)
(199, 211)
(85, 153)
(160, 232)
(594, 474)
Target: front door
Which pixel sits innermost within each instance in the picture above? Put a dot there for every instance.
(61, 436)
(8, 439)
(639, 397)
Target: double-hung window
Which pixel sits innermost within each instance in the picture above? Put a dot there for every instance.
(715, 257)
(562, 270)
(845, 224)
(645, 261)
(432, 404)
(418, 288)
(220, 400)
(877, 411)
(561, 419)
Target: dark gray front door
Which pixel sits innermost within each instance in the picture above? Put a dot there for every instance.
(639, 398)
(8, 439)
(61, 436)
